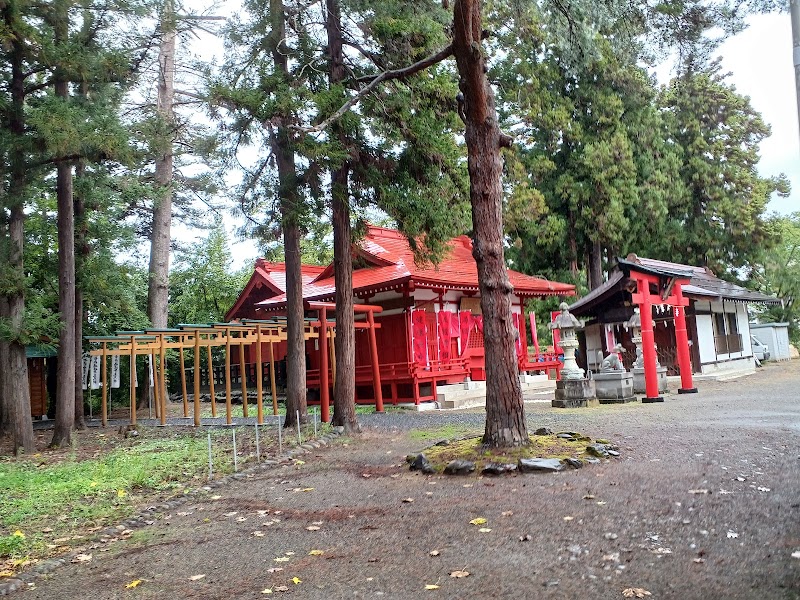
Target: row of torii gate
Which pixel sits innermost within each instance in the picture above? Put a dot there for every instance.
(249, 332)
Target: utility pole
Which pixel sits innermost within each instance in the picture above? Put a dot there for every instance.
(794, 9)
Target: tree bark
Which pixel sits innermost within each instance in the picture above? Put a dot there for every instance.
(65, 378)
(82, 254)
(344, 388)
(15, 414)
(594, 269)
(283, 149)
(505, 413)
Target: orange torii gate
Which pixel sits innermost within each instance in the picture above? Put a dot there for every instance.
(192, 336)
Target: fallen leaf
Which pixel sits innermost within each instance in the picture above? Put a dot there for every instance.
(274, 569)
(307, 490)
(589, 497)
(290, 553)
(266, 591)
(121, 493)
(216, 497)
(316, 553)
(525, 538)
(698, 491)
(258, 533)
(763, 489)
(82, 558)
(433, 553)
(47, 530)
(241, 519)
(366, 475)
(430, 586)
(281, 588)
(796, 554)
(133, 584)
(459, 574)
(478, 521)
(732, 534)
(408, 500)
(317, 522)
(282, 559)
(231, 514)
(506, 513)
(568, 518)
(18, 534)
(601, 502)
(197, 577)
(635, 593)
(699, 560)
(484, 530)
(312, 528)
(296, 580)
(7, 573)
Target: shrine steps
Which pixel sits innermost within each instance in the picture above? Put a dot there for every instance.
(473, 394)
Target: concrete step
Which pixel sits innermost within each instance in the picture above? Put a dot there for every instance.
(456, 396)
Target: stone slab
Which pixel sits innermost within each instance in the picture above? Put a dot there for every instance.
(639, 383)
(573, 393)
(614, 386)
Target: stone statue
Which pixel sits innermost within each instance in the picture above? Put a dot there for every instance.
(612, 362)
(639, 362)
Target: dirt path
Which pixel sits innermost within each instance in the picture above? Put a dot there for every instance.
(703, 503)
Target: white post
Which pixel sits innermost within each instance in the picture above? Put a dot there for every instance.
(280, 437)
(210, 461)
(258, 446)
(299, 438)
(235, 459)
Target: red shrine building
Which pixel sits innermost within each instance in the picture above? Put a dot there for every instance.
(429, 329)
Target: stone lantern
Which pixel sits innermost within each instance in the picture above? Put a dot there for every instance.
(634, 324)
(573, 390)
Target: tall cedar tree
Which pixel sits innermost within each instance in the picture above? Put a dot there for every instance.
(344, 388)
(15, 413)
(505, 411)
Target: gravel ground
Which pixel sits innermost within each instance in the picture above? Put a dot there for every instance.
(704, 503)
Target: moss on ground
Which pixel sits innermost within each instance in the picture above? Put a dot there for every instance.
(541, 446)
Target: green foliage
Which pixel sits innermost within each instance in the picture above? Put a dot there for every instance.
(719, 220)
(777, 272)
(202, 286)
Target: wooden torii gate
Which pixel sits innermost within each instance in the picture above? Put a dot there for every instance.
(196, 337)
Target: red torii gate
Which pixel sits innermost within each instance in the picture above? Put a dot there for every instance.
(671, 295)
(324, 325)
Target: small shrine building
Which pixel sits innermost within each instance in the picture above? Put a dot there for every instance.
(429, 330)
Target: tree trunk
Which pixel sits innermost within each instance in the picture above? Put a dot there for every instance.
(81, 252)
(160, 236)
(505, 412)
(15, 413)
(344, 389)
(65, 378)
(594, 270)
(283, 149)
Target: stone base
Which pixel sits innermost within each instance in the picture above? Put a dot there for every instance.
(639, 383)
(687, 390)
(573, 393)
(615, 387)
(647, 400)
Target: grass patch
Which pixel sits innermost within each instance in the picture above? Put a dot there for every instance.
(440, 433)
(50, 497)
(541, 446)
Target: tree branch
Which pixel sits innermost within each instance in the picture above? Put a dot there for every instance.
(375, 81)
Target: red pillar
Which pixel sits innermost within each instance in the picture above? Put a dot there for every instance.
(682, 341)
(376, 372)
(324, 397)
(648, 341)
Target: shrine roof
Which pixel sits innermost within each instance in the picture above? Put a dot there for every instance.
(390, 263)
(272, 276)
(702, 284)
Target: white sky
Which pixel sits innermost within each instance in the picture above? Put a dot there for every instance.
(760, 62)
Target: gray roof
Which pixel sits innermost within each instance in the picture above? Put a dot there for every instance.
(703, 284)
